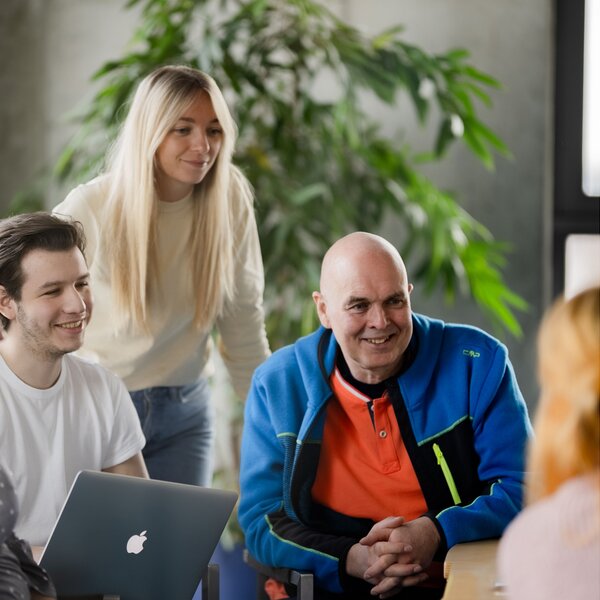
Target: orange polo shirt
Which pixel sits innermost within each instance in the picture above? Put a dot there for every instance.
(364, 468)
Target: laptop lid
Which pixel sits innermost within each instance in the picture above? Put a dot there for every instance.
(140, 539)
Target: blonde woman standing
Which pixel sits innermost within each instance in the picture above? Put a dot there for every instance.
(552, 549)
(173, 252)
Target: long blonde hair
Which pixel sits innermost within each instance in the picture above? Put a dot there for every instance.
(567, 424)
(129, 234)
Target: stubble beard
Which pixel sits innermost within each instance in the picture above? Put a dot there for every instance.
(37, 340)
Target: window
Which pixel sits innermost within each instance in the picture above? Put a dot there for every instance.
(574, 211)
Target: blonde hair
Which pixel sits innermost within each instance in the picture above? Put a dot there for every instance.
(129, 235)
(567, 424)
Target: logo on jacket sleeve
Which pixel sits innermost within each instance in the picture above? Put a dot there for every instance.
(471, 353)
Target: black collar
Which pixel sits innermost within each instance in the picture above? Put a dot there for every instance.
(376, 390)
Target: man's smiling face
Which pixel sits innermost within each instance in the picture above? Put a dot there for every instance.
(55, 304)
(365, 300)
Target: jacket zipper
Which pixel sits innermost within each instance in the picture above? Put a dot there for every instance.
(441, 461)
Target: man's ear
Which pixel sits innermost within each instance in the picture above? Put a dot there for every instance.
(321, 309)
(8, 307)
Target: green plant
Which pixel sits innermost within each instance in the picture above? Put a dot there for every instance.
(29, 198)
(320, 167)
(294, 75)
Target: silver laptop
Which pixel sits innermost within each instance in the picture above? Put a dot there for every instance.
(134, 538)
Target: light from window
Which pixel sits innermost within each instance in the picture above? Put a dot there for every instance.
(591, 101)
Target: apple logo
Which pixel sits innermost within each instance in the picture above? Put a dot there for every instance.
(135, 544)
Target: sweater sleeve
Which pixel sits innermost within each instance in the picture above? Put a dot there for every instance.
(243, 339)
(8, 506)
(83, 204)
(274, 535)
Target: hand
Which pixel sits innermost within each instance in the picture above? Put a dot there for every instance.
(421, 535)
(377, 556)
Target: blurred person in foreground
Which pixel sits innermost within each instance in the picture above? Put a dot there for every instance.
(552, 549)
(20, 577)
(376, 443)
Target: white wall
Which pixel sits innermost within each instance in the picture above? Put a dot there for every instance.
(48, 52)
(22, 126)
(49, 48)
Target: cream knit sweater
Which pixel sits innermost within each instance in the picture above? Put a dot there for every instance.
(174, 352)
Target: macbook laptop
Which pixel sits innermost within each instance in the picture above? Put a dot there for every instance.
(138, 539)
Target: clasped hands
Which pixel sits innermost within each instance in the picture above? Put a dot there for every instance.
(394, 554)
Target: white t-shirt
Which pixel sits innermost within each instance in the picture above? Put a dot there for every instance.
(86, 420)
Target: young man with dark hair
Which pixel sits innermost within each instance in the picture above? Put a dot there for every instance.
(59, 414)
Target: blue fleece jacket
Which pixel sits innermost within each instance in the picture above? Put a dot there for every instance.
(458, 405)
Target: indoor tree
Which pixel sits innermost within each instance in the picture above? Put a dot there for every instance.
(294, 75)
(320, 166)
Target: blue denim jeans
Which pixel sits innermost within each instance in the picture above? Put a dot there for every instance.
(178, 423)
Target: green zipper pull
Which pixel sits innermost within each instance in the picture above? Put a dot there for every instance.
(441, 461)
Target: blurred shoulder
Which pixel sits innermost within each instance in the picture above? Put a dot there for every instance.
(86, 197)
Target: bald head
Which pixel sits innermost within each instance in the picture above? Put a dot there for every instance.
(356, 251)
(364, 299)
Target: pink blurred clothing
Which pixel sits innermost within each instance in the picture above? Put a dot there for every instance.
(551, 551)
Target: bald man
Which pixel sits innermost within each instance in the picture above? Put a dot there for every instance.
(376, 443)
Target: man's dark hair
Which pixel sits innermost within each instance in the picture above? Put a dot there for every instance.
(21, 234)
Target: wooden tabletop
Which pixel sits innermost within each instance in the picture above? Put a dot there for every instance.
(470, 570)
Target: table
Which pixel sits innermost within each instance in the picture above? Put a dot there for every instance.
(470, 570)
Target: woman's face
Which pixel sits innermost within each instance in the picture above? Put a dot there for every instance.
(189, 150)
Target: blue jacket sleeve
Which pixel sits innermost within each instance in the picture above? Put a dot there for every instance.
(501, 429)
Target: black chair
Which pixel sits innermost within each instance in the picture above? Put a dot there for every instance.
(210, 583)
(303, 582)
